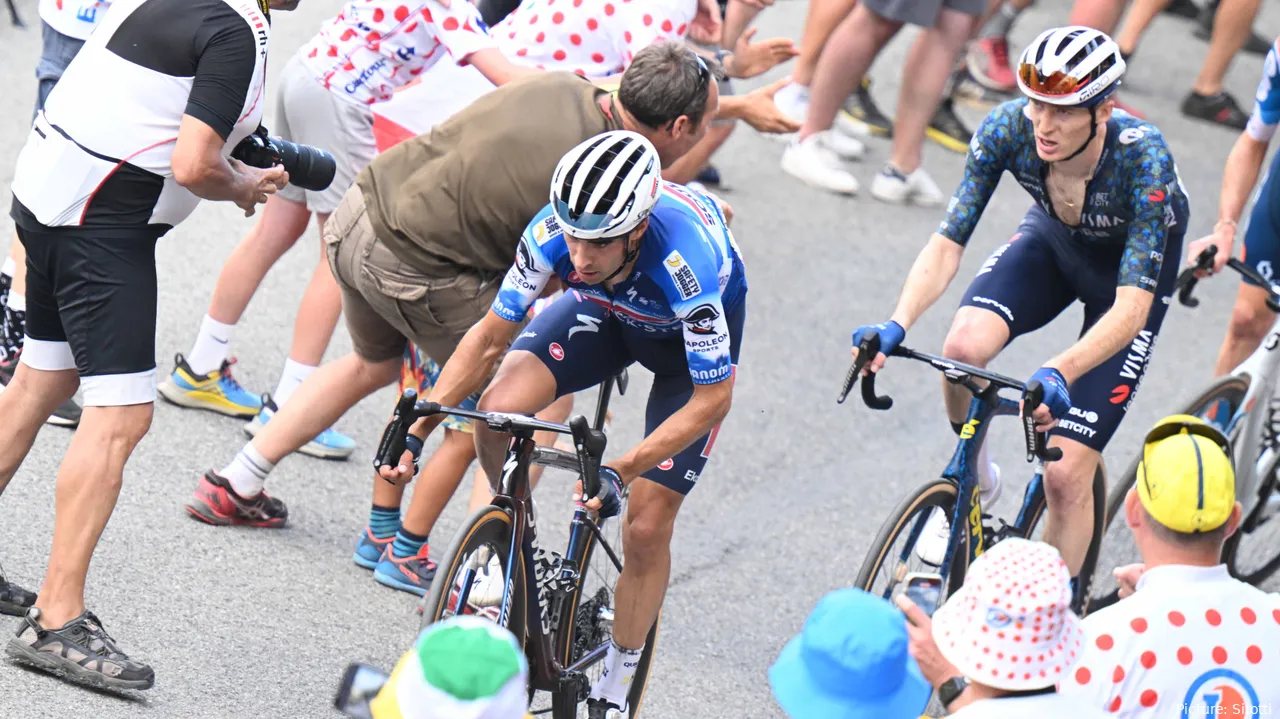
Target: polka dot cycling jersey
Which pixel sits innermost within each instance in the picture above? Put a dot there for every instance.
(373, 47)
(1191, 642)
(595, 38)
(1133, 200)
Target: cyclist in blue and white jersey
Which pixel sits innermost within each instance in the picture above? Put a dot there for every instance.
(651, 275)
(1106, 228)
(1251, 318)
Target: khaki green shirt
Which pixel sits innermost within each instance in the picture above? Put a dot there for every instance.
(460, 195)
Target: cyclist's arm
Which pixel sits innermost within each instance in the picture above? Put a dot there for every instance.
(1140, 265)
(497, 68)
(934, 268)
(708, 406)
(1250, 150)
(481, 347)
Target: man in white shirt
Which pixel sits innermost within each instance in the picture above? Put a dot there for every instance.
(1188, 639)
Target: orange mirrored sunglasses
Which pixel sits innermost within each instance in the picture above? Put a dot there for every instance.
(1057, 84)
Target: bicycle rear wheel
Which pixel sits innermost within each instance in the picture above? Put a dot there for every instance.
(1117, 547)
(586, 622)
(481, 547)
(1260, 557)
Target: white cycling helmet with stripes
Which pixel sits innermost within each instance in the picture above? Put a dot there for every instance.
(1073, 66)
(606, 186)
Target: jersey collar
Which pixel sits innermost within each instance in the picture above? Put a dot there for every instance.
(1175, 577)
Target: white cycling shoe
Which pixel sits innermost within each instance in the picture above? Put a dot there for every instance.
(931, 547)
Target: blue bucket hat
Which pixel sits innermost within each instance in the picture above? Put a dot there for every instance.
(850, 661)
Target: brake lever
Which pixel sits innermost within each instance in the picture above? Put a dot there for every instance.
(1037, 442)
(1186, 282)
(589, 444)
(868, 348)
(391, 446)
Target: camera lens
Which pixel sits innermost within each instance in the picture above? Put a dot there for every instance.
(309, 167)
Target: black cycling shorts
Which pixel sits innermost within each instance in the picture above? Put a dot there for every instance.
(91, 307)
(1041, 271)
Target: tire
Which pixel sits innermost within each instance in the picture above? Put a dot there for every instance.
(940, 493)
(489, 526)
(1103, 593)
(1262, 574)
(565, 706)
(1082, 603)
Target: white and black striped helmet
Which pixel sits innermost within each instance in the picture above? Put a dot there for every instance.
(606, 186)
(1074, 66)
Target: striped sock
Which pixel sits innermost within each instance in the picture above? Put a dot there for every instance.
(248, 471)
(384, 521)
(407, 543)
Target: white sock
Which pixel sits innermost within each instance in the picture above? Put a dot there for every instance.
(9, 267)
(986, 471)
(210, 349)
(17, 302)
(248, 471)
(619, 670)
(291, 376)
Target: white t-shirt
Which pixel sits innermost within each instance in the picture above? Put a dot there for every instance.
(1040, 706)
(374, 46)
(73, 18)
(1190, 638)
(595, 38)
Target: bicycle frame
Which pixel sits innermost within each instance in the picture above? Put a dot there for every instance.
(541, 607)
(1260, 370)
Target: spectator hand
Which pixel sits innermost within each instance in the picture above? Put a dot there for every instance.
(259, 184)
(935, 668)
(751, 59)
(763, 114)
(707, 24)
(1127, 577)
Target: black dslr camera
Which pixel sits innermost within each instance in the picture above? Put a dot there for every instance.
(309, 167)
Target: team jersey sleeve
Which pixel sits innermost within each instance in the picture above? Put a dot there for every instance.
(533, 268)
(1266, 107)
(1152, 198)
(227, 56)
(989, 152)
(461, 30)
(692, 287)
(649, 22)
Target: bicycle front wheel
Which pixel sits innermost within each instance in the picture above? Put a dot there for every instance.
(1118, 549)
(481, 550)
(892, 555)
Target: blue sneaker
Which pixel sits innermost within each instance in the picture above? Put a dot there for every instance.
(329, 444)
(217, 391)
(408, 574)
(369, 549)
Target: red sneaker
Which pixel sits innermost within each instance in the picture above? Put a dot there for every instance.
(215, 502)
(988, 61)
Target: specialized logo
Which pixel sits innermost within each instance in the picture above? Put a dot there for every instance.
(556, 351)
(589, 324)
(702, 320)
(969, 429)
(1221, 693)
(682, 274)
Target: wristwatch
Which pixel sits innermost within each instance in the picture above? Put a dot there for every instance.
(951, 690)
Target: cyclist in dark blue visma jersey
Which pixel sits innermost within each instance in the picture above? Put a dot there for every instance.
(1106, 229)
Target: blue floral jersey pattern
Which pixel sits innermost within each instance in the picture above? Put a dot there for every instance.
(1134, 201)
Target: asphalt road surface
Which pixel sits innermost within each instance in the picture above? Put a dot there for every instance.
(241, 622)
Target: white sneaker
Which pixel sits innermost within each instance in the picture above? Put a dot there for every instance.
(793, 101)
(931, 547)
(890, 185)
(812, 162)
(851, 126)
(846, 147)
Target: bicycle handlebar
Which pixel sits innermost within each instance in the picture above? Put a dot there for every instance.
(588, 442)
(1032, 394)
(1186, 283)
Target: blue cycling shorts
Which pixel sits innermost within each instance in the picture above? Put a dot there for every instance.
(583, 353)
(1262, 234)
(1042, 270)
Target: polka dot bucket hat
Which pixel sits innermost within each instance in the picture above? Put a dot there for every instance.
(1010, 626)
